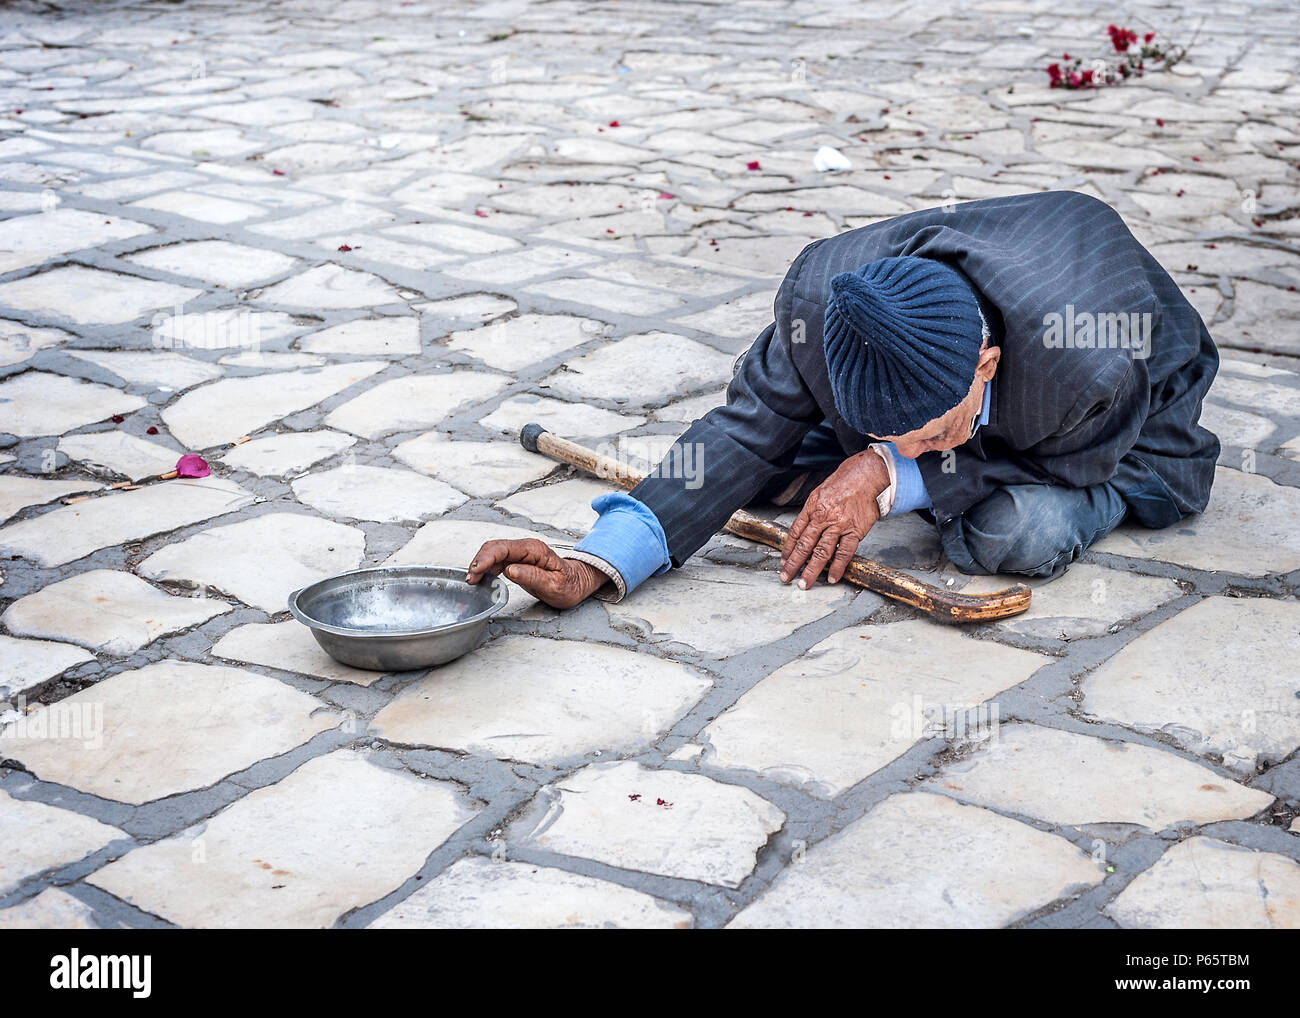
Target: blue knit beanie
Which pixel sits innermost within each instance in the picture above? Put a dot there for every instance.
(902, 339)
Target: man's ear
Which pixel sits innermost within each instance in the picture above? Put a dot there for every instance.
(988, 362)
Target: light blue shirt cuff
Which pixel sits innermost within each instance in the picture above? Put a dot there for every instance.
(909, 486)
(629, 537)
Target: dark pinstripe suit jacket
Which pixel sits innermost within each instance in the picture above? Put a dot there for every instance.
(1061, 414)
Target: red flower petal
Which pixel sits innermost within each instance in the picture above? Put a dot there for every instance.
(278, 173)
(191, 465)
(613, 123)
(752, 166)
(345, 247)
(151, 430)
(118, 418)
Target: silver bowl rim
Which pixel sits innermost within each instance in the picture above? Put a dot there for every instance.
(500, 595)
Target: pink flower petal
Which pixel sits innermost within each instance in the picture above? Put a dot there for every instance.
(191, 465)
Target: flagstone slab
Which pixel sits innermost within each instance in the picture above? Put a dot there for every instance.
(1086, 601)
(1235, 427)
(669, 364)
(464, 239)
(1245, 529)
(331, 287)
(1232, 686)
(484, 469)
(290, 646)
(263, 560)
(92, 296)
(921, 861)
(612, 298)
(565, 505)
(41, 403)
(166, 728)
(216, 261)
(723, 610)
(107, 612)
(121, 453)
(705, 831)
(30, 240)
(69, 532)
(1263, 316)
(39, 838)
(18, 342)
(382, 494)
(52, 909)
(517, 266)
(201, 207)
(860, 699)
(569, 420)
(25, 664)
(336, 834)
(282, 455)
(233, 407)
(1072, 779)
(367, 337)
(517, 342)
(1207, 884)
(455, 542)
(479, 893)
(18, 492)
(524, 698)
(162, 370)
(414, 402)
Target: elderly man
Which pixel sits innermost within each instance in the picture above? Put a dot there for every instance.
(1018, 370)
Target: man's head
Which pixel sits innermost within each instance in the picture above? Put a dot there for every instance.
(908, 353)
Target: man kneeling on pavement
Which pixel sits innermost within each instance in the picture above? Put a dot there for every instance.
(1020, 371)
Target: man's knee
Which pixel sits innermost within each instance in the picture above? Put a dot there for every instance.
(1034, 529)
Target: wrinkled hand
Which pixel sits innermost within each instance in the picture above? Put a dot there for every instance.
(837, 515)
(559, 582)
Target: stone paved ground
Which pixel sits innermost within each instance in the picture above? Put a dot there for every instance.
(380, 237)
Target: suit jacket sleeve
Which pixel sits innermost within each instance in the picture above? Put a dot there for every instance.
(735, 448)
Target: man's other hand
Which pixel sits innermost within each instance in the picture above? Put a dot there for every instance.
(559, 582)
(837, 515)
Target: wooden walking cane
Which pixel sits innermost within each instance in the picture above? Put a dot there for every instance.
(947, 606)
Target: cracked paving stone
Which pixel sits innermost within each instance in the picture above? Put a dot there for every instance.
(1071, 779)
(17, 492)
(163, 371)
(706, 830)
(478, 308)
(679, 365)
(107, 612)
(1207, 884)
(39, 838)
(859, 699)
(517, 342)
(282, 455)
(739, 318)
(120, 453)
(564, 506)
(289, 646)
(31, 240)
(1263, 316)
(52, 909)
(568, 420)
(1233, 688)
(69, 532)
(454, 543)
(336, 834)
(19, 342)
(232, 407)
(382, 494)
(162, 729)
(92, 296)
(478, 893)
(1086, 601)
(25, 664)
(541, 701)
(331, 287)
(484, 469)
(39, 403)
(1246, 528)
(923, 861)
(367, 337)
(215, 261)
(723, 610)
(263, 560)
(413, 403)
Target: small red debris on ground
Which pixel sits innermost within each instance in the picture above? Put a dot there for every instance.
(192, 465)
